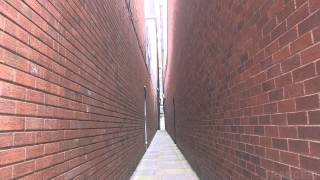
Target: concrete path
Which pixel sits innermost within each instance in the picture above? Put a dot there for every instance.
(163, 161)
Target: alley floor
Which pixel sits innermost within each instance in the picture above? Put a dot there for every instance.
(163, 161)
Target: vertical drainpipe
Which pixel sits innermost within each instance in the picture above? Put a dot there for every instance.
(145, 118)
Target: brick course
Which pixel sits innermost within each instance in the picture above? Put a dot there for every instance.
(244, 76)
(71, 89)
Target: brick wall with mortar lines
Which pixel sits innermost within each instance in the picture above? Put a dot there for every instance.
(71, 90)
(245, 76)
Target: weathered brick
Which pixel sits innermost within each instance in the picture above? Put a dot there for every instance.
(312, 85)
(49, 161)
(309, 23)
(277, 31)
(271, 48)
(281, 55)
(280, 144)
(314, 5)
(276, 95)
(304, 72)
(312, 164)
(293, 90)
(6, 140)
(270, 108)
(287, 106)
(34, 151)
(279, 119)
(272, 154)
(307, 102)
(12, 156)
(283, 80)
(288, 8)
(7, 106)
(309, 133)
(300, 173)
(301, 43)
(298, 146)
(314, 117)
(23, 168)
(6, 172)
(310, 54)
(34, 123)
(289, 158)
(315, 149)
(297, 118)
(298, 15)
(269, 85)
(316, 34)
(272, 131)
(269, 26)
(290, 63)
(26, 108)
(300, 2)
(10, 123)
(288, 37)
(12, 91)
(288, 132)
(24, 138)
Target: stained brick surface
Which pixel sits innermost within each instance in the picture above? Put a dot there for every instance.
(71, 89)
(244, 76)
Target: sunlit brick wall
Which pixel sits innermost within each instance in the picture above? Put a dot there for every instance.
(71, 90)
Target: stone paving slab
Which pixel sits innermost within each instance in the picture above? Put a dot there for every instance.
(163, 161)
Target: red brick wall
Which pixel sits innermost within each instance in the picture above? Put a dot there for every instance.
(137, 9)
(71, 90)
(245, 76)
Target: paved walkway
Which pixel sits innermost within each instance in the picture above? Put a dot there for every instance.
(163, 161)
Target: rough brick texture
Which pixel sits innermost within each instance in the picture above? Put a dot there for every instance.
(245, 77)
(71, 89)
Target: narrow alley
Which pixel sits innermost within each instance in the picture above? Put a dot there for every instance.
(163, 161)
(160, 89)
